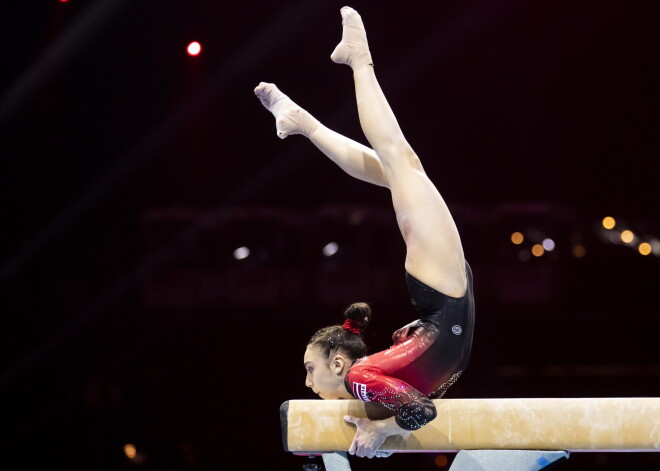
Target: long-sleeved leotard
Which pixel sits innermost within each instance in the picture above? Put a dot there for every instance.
(427, 357)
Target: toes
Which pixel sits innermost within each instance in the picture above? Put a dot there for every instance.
(346, 11)
(349, 15)
(265, 88)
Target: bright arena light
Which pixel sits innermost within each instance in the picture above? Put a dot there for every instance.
(130, 451)
(241, 253)
(627, 236)
(609, 222)
(538, 250)
(645, 248)
(517, 238)
(549, 245)
(330, 249)
(194, 48)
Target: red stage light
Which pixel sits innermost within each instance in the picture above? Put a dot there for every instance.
(194, 48)
(63, 1)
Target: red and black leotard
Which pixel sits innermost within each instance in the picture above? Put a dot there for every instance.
(427, 357)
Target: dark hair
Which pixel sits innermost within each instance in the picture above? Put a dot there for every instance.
(335, 337)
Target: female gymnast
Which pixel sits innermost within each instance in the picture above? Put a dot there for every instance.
(429, 354)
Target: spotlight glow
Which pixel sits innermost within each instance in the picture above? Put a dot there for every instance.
(644, 248)
(194, 48)
(330, 249)
(627, 236)
(440, 461)
(517, 238)
(549, 245)
(241, 253)
(130, 451)
(609, 222)
(538, 250)
(655, 247)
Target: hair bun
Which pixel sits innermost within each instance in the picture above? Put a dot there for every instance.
(360, 313)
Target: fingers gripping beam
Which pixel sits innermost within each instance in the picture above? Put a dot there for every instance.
(583, 424)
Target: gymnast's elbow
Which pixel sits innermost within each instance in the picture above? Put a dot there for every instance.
(430, 412)
(417, 415)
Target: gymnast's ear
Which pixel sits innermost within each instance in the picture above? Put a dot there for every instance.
(337, 363)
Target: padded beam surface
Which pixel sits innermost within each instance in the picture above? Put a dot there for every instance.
(585, 424)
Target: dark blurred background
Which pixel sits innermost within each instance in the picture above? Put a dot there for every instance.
(165, 256)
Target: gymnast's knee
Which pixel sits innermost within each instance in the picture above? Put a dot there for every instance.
(398, 154)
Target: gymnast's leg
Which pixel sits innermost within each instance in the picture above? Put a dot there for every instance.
(355, 159)
(434, 252)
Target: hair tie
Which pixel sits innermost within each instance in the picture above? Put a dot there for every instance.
(352, 325)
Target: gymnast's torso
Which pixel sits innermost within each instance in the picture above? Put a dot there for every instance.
(427, 358)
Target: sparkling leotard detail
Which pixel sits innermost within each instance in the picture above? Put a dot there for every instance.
(428, 357)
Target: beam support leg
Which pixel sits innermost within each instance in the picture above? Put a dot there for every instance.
(337, 461)
(506, 460)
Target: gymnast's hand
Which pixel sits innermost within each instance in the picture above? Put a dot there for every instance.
(369, 436)
(404, 332)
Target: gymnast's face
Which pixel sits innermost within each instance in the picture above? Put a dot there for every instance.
(325, 376)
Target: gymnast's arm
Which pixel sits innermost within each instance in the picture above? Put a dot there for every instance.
(411, 408)
(371, 434)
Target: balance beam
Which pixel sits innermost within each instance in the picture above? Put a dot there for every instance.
(587, 424)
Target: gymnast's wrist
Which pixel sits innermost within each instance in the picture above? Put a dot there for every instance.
(390, 427)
